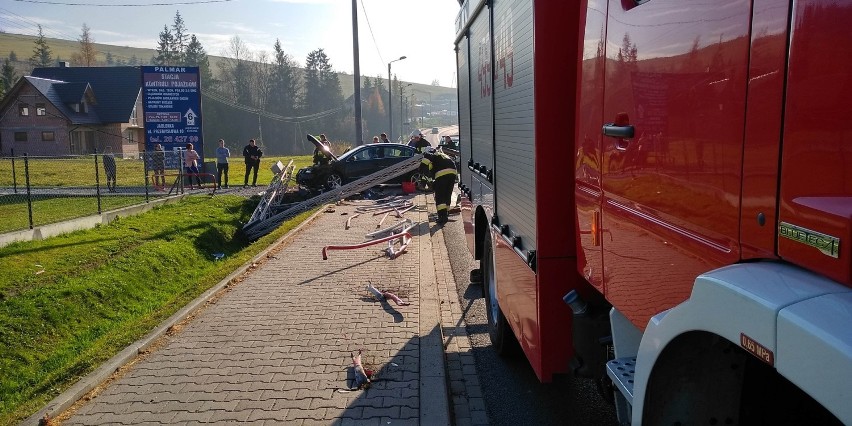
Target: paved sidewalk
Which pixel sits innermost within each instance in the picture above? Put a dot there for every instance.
(275, 347)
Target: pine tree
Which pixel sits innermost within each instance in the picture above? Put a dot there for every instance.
(285, 87)
(8, 77)
(165, 55)
(13, 57)
(196, 56)
(110, 60)
(180, 39)
(87, 47)
(42, 57)
(322, 88)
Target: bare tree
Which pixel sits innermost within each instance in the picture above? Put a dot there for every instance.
(235, 70)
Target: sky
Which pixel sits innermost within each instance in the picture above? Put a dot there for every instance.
(421, 30)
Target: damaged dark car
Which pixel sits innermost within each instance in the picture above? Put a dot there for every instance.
(354, 164)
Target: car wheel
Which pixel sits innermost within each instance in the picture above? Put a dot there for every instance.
(502, 338)
(333, 180)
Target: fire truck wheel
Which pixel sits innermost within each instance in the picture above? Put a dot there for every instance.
(502, 338)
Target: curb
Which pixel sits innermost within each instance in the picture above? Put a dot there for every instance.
(66, 399)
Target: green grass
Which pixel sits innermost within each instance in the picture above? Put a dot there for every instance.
(77, 172)
(71, 302)
(47, 209)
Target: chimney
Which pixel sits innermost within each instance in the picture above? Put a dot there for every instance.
(64, 64)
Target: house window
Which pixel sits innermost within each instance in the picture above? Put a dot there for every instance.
(84, 108)
(20, 136)
(75, 107)
(40, 109)
(23, 109)
(48, 136)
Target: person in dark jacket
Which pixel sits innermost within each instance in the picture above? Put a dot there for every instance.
(419, 142)
(252, 154)
(110, 170)
(442, 169)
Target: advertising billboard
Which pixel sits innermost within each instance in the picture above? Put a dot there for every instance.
(171, 102)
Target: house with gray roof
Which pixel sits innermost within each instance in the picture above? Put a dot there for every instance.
(82, 110)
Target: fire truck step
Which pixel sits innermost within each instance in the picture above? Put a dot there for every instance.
(621, 372)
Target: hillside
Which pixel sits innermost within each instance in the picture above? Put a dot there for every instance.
(23, 46)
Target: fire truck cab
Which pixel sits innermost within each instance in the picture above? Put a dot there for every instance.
(660, 196)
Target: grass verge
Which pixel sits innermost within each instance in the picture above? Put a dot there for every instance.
(69, 303)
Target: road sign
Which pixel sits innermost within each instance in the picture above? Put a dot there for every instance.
(171, 102)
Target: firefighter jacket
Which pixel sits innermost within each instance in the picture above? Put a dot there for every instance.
(437, 164)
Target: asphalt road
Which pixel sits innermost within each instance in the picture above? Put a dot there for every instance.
(513, 394)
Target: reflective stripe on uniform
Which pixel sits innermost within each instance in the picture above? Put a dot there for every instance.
(442, 207)
(427, 162)
(445, 172)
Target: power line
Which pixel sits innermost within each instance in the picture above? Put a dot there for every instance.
(178, 3)
(376, 45)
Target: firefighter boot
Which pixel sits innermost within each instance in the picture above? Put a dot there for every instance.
(442, 217)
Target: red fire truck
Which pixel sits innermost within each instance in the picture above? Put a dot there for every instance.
(659, 193)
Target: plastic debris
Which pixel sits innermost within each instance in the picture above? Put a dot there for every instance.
(362, 379)
(376, 293)
(397, 300)
(218, 256)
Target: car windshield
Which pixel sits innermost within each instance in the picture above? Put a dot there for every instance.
(370, 152)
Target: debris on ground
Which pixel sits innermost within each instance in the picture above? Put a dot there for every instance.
(362, 376)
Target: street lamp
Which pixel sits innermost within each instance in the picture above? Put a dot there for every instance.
(390, 97)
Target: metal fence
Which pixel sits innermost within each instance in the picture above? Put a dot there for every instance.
(36, 191)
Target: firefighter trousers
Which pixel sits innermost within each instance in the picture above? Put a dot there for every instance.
(443, 192)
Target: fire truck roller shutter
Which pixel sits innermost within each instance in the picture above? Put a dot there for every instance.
(749, 305)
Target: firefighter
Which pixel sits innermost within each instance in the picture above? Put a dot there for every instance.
(322, 156)
(442, 169)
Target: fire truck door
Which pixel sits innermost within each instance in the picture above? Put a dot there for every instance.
(671, 163)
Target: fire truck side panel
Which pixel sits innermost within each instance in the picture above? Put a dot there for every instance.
(558, 28)
(514, 120)
(481, 97)
(514, 171)
(816, 165)
(672, 190)
(462, 60)
(762, 148)
(587, 171)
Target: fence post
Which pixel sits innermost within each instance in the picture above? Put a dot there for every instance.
(29, 194)
(14, 178)
(97, 183)
(180, 169)
(145, 167)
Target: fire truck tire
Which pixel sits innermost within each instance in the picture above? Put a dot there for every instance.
(502, 338)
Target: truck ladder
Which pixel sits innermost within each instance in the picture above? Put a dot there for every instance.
(255, 229)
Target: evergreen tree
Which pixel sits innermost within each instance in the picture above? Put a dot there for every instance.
(165, 55)
(368, 84)
(133, 61)
(13, 57)
(196, 56)
(87, 47)
(180, 40)
(322, 89)
(283, 99)
(110, 60)
(8, 78)
(235, 71)
(285, 85)
(42, 56)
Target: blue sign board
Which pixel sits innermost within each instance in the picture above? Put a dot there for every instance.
(171, 102)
